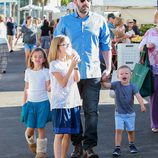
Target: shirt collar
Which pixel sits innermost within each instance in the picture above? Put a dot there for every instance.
(77, 16)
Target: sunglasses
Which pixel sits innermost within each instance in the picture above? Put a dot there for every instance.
(65, 45)
(82, 1)
(130, 22)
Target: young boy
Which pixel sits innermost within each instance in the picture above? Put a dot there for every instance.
(124, 112)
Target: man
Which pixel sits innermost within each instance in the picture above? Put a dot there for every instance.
(111, 20)
(135, 27)
(89, 34)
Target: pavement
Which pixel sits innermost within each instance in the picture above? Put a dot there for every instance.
(12, 141)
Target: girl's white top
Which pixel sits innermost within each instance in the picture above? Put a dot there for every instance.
(63, 97)
(37, 91)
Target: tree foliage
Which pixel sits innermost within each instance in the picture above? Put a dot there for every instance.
(65, 2)
(40, 1)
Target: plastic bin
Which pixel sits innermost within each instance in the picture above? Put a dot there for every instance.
(128, 54)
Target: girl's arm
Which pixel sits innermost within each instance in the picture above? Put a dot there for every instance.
(63, 80)
(48, 88)
(18, 36)
(76, 58)
(141, 102)
(26, 92)
(76, 74)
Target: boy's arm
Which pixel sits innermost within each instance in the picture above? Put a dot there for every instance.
(107, 85)
(141, 102)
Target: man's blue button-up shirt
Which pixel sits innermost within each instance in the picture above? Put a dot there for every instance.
(88, 35)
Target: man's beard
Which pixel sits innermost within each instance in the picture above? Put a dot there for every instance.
(83, 9)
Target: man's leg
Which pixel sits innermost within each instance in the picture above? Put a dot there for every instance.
(77, 138)
(91, 93)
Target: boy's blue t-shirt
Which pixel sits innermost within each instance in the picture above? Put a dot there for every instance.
(124, 97)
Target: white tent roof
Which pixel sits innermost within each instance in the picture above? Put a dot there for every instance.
(28, 7)
(51, 9)
(46, 8)
(125, 3)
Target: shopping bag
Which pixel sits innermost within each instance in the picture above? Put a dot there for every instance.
(142, 77)
(114, 78)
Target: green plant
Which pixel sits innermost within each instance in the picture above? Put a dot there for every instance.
(65, 2)
(145, 27)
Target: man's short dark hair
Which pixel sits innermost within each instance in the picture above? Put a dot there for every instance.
(111, 15)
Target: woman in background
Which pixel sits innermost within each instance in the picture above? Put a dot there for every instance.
(3, 46)
(151, 41)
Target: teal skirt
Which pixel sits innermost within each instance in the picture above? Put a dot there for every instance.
(36, 114)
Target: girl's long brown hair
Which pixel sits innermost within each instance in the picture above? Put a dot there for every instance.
(44, 64)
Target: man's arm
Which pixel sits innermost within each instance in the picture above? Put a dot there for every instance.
(107, 55)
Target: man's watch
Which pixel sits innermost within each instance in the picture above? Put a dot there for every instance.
(75, 68)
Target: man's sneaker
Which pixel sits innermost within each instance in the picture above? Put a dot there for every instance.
(77, 152)
(116, 152)
(89, 153)
(133, 149)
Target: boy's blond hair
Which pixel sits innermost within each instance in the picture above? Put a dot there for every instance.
(124, 66)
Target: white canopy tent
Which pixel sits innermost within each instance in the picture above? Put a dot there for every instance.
(141, 10)
(50, 8)
(35, 7)
(30, 7)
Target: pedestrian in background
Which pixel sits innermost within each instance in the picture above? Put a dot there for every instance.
(124, 110)
(111, 21)
(36, 108)
(29, 32)
(150, 39)
(3, 46)
(89, 34)
(11, 30)
(65, 99)
(135, 27)
(45, 36)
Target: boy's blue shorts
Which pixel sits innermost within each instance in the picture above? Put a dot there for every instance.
(125, 121)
